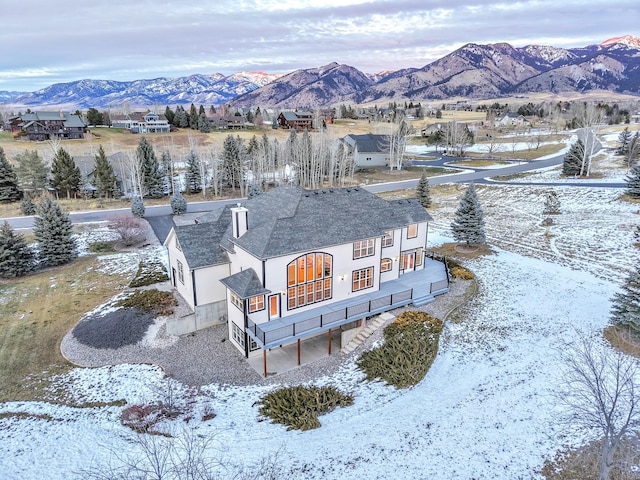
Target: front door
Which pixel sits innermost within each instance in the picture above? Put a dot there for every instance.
(408, 261)
(274, 306)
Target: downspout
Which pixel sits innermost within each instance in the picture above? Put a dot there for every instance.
(193, 284)
(246, 325)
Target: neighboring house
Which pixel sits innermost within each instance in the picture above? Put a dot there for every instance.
(290, 264)
(512, 119)
(141, 122)
(227, 122)
(296, 120)
(368, 150)
(44, 125)
(121, 169)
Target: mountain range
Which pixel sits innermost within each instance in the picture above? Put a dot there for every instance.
(473, 71)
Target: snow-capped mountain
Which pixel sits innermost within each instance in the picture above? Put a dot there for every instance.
(472, 71)
(200, 89)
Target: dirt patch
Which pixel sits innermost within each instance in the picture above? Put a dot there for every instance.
(623, 339)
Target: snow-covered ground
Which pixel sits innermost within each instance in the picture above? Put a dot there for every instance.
(485, 410)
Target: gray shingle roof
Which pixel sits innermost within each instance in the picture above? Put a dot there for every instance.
(372, 143)
(200, 243)
(289, 219)
(245, 284)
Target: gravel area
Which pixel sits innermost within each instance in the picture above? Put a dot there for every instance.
(207, 356)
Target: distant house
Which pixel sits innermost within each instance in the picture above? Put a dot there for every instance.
(296, 120)
(40, 126)
(227, 122)
(368, 150)
(512, 119)
(291, 264)
(120, 164)
(141, 122)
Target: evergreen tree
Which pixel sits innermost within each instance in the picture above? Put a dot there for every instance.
(423, 193)
(203, 123)
(625, 308)
(9, 190)
(178, 204)
(27, 207)
(103, 177)
(53, 232)
(232, 162)
(468, 222)
(551, 204)
(31, 170)
(167, 169)
(137, 207)
(623, 141)
(65, 174)
(16, 258)
(193, 179)
(633, 181)
(193, 117)
(572, 163)
(152, 178)
(169, 115)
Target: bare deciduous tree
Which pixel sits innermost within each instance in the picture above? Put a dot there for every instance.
(601, 390)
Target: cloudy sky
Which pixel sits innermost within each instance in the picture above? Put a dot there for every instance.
(48, 42)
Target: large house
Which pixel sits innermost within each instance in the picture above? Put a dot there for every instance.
(141, 122)
(44, 125)
(290, 264)
(298, 120)
(368, 150)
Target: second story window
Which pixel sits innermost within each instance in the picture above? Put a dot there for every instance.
(256, 303)
(412, 230)
(237, 301)
(364, 248)
(387, 239)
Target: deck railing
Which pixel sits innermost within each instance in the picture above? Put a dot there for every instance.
(325, 320)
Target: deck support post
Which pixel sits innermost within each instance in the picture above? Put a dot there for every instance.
(298, 352)
(329, 332)
(264, 362)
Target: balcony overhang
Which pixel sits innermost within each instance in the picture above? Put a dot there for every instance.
(409, 288)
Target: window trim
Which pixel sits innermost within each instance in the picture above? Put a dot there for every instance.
(237, 334)
(387, 239)
(256, 303)
(180, 272)
(367, 279)
(309, 279)
(364, 248)
(236, 300)
(386, 261)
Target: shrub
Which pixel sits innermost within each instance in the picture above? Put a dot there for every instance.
(461, 273)
(137, 207)
(178, 204)
(152, 301)
(102, 247)
(298, 407)
(129, 228)
(409, 349)
(149, 272)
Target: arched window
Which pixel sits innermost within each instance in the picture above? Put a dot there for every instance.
(309, 279)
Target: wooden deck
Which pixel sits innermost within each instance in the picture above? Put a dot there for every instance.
(417, 287)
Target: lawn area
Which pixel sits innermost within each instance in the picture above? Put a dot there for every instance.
(38, 310)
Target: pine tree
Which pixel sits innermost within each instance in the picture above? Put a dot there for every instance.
(468, 224)
(625, 308)
(9, 190)
(53, 232)
(152, 179)
(623, 141)
(203, 123)
(178, 204)
(65, 175)
(193, 179)
(633, 181)
(167, 169)
(27, 207)
(137, 207)
(103, 177)
(551, 204)
(572, 163)
(423, 193)
(193, 117)
(31, 170)
(16, 258)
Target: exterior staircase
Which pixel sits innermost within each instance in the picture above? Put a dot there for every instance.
(372, 325)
